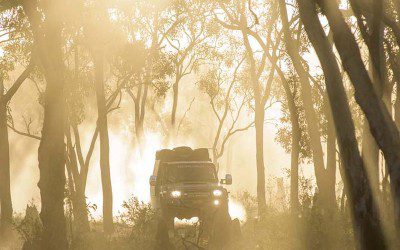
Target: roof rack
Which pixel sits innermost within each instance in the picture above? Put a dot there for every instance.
(183, 154)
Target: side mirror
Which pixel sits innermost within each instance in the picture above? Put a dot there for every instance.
(227, 180)
(153, 180)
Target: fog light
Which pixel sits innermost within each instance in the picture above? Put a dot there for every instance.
(216, 202)
(176, 194)
(217, 192)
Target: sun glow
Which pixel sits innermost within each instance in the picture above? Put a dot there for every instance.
(130, 171)
(143, 167)
(237, 211)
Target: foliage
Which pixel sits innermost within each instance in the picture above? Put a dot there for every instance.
(150, 46)
(141, 219)
(30, 227)
(280, 229)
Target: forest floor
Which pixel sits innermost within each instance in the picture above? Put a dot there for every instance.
(136, 229)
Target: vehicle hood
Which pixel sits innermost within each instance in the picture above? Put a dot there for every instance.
(192, 186)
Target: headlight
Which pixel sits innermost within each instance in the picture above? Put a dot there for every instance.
(176, 194)
(216, 202)
(217, 192)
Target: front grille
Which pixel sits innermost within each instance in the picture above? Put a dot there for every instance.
(196, 194)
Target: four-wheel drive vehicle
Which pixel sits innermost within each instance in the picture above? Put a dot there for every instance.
(185, 184)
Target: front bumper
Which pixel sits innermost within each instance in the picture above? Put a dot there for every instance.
(186, 208)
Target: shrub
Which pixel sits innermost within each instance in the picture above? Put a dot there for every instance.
(141, 219)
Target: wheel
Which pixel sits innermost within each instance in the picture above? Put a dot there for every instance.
(236, 230)
(222, 231)
(162, 235)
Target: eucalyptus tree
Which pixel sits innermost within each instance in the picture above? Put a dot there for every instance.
(48, 42)
(189, 44)
(239, 16)
(380, 121)
(229, 100)
(366, 223)
(98, 54)
(297, 145)
(145, 25)
(324, 175)
(16, 45)
(77, 166)
(268, 37)
(5, 192)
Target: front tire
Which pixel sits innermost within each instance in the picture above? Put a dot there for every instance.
(221, 232)
(163, 234)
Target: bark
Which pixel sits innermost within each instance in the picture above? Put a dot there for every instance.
(139, 101)
(370, 155)
(295, 144)
(369, 22)
(140, 124)
(175, 95)
(75, 174)
(397, 107)
(394, 66)
(310, 114)
(75, 157)
(367, 231)
(5, 191)
(47, 36)
(172, 131)
(51, 159)
(381, 124)
(84, 163)
(370, 149)
(77, 191)
(342, 172)
(259, 126)
(104, 142)
(330, 177)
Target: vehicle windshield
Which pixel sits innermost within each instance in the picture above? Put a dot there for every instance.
(190, 172)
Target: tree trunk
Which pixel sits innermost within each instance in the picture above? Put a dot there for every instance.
(139, 132)
(51, 153)
(80, 210)
(331, 162)
(175, 95)
(367, 231)
(141, 137)
(140, 112)
(259, 125)
(370, 155)
(294, 172)
(104, 143)
(329, 220)
(51, 149)
(295, 153)
(77, 191)
(397, 106)
(5, 192)
(51, 162)
(259, 116)
(370, 150)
